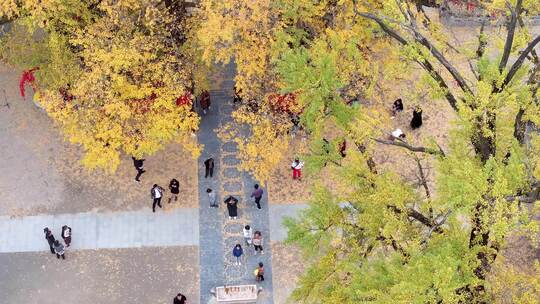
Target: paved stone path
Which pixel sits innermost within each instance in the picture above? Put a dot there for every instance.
(218, 234)
(142, 228)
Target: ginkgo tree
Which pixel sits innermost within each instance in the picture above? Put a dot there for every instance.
(393, 241)
(111, 72)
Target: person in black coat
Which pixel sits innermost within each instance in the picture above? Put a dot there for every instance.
(174, 187)
(416, 121)
(180, 299)
(232, 206)
(209, 167)
(138, 164)
(50, 238)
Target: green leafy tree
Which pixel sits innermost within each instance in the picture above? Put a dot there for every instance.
(392, 242)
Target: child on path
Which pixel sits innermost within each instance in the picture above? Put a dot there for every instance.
(212, 198)
(66, 235)
(157, 193)
(174, 187)
(257, 242)
(50, 238)
(259, 272)
(296, 166)
(238, 252)
(59, 250)
(257, 194)
(248, 235)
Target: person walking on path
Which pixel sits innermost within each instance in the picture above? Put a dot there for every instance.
(50, 238)
(59, 250)
(66, 235)
(212, 198)
(157, 194)
(296, 167)
(257, 194)
(238, 252)
(259, 272)
(248, 235)
(138, 164)
(209, 167)
(205, 101)
(232, 207)
(257, 242)
(180, 299)
(174, 187)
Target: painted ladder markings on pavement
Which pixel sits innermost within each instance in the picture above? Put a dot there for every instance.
(179, 227)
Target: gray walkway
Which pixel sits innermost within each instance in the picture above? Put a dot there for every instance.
(278, 232)
(219, 234)
(103, 230)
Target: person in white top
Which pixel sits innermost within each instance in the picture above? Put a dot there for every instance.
(397, 133)
(296, 166)
(248, 235)
(157, 194)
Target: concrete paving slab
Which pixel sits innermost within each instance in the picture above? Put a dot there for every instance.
(179, 227)
(278, 232)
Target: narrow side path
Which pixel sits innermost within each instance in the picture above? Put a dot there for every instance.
(178, 227)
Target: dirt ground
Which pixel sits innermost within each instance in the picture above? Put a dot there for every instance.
(41, 172)
(122, 276)
(282, 189)
(287, 266)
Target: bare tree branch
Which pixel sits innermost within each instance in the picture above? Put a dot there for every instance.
(511, 31)
(400, 143)
(519, 62)
(423, 180)
(424, 63)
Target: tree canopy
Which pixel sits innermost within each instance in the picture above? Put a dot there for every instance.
(111, 73)
(394, 240)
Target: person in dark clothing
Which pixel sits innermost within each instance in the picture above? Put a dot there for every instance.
(66, 235)
(257, 194)
(180, 299)
(416, 121)
(397, 107)
(237, 253)
(138, 164)
(50, 238)
(205, 101)
(59, 250)
(343, 148)
(156, 193)
(209, 167)
(232, 206)
(174, 187)
(237, 98)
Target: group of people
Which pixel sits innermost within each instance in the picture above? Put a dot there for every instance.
(255, 239)
(55, 245)
(157, 193)
(416, 121)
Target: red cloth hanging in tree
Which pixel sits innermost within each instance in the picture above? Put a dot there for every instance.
(184, 99)
(27, 76)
